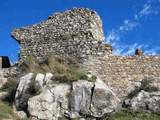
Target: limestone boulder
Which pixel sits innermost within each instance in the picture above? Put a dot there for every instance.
(81, 97)
(51, 104)
(103, 100)
(47, 79)
(93, 99)
(39, 80)
(145, 101)
(22, 95)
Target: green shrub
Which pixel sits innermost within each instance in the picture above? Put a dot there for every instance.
(145, 85)
(93, 78)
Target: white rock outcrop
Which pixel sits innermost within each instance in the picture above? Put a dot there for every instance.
(22, 95)
(54, 101)
(51, 104)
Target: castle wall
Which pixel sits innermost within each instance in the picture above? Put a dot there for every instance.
(76, 33)
(122, 73)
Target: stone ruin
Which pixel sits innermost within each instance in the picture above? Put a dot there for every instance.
(74, 34)
(78, 34)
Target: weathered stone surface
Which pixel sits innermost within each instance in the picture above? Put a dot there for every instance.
(93, 99)
(75, 33)
(20, 114)
(104, 100)
(124, 73)
(51, 103)
(145, 101)
(39, 80)
(22, 95)
(81, 97)
(47, 79)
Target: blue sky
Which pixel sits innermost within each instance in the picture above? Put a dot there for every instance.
(128, 24)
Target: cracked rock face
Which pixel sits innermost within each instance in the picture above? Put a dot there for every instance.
(81, 98)
(103, 100)
(94, 99)
(22, 95)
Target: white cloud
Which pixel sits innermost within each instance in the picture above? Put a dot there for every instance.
(115, 35)
(152, 51)
(146, 10)
(149, 8)
(128, 26)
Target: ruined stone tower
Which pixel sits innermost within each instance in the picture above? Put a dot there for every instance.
(76, 33)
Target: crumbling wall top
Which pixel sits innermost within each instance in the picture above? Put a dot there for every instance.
(70, 22)
(76, 33)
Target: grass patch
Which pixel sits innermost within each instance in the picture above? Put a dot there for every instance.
(63, 72)
(126, 114)
(10, 86)
(6, 112)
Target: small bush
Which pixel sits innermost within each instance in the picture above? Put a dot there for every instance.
(51, 64)
(33, 89)
(93, 78)
(145, 85)
(10, 87)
